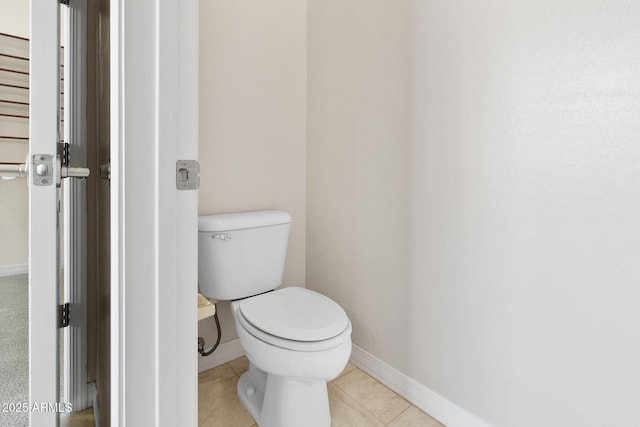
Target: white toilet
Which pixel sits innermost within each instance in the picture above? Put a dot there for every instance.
(295, 339)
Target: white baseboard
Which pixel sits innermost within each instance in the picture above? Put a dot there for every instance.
(92, 392)
(226, 352)
(429, 401)
(12, 270)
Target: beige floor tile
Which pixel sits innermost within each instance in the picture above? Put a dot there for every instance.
(375, 397)
(81, 419)
(356, 400)
(346, 412)
(347, 369)
(240, 365)
(218, 373)
(219, 406)
(414, 417)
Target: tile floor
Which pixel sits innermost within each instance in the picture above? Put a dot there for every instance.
(81, 419)
(355, 398)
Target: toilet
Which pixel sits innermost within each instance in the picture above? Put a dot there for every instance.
(295, 339)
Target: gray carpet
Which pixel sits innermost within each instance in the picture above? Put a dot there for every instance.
(14, 347)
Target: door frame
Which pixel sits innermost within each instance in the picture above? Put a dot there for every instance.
(154, 123)
(76, 390)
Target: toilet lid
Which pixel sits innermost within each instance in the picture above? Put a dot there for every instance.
(295, 313)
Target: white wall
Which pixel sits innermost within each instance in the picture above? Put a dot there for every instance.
(14, 219)
(14, 19)
(358, 158)
(487, 246)
(253, 119)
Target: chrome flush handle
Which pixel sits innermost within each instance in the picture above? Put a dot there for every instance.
(221, 236)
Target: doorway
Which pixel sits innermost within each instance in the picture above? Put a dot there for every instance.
(76, 299)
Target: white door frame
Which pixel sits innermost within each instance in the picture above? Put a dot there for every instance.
(44, 110)
(75, 388)
(154, 123)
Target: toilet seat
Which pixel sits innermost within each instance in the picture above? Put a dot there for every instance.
(294, 318)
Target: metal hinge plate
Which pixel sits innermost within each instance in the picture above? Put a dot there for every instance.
(187, 175)
(63, 315)
(64, 151)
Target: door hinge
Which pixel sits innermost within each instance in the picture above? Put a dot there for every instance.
(63, 315)
(105, 171)
(65, 152)
(187, 174)
(64, 2)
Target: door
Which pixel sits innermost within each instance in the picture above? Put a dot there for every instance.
(39, 104)
(44, 172)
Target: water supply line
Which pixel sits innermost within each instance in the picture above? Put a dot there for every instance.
(201, 349)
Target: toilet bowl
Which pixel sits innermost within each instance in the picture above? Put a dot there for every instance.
(295, 339)
(286, 382)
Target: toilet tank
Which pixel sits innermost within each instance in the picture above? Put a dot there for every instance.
(241, 254)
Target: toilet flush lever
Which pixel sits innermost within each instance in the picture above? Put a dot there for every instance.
(221, 236)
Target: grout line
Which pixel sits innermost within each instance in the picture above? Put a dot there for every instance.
(357, 400)
(398, 416)
(363, 407)
(360, 405)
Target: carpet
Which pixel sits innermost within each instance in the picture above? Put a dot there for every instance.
(14, 348)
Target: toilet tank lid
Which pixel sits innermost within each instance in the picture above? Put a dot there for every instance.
(242, 220)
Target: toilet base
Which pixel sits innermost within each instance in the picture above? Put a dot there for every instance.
(275, 401)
